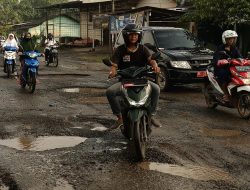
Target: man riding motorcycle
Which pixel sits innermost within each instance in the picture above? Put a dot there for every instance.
(27, 44)
(50, 41)
(132, 53)
(221, 71)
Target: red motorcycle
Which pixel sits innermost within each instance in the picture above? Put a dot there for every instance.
(238, 88)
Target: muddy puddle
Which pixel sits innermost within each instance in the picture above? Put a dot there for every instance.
(84, 90)
(220, 132)
(202, 173)
(42, 143)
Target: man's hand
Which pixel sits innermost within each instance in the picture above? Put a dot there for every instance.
(155, 66)
(112, 72)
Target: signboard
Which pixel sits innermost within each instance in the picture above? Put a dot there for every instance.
(117, 23)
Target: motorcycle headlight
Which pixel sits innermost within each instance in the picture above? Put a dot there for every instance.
(180, 64)
(246, 81)
(32, 55)
(142, 101)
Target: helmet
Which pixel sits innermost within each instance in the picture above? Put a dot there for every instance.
(129, 29)
(50, 35)
(228, 34)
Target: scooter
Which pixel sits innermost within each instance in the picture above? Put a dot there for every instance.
(29, 70)
(238, 88)
(9, 59)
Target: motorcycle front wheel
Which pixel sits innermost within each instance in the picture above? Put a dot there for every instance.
(55, 60)
(8, 69)
(139, 140)
(31, 82)
(243, 105)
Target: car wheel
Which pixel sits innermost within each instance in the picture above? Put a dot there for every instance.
(163, 80)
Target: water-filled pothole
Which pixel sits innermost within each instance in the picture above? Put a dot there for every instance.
(220, 132)
(42, 143)
(202, 173)
(86, 90)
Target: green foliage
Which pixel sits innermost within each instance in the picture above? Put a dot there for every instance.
(228, 12)
(16, 11)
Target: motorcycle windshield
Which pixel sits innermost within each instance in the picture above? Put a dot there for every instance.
(31, 62)
(9, 48)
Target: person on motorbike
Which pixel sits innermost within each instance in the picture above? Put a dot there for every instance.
(10, 42)
(222, 72)
(50, 41)
(27, 44)
(131, 53)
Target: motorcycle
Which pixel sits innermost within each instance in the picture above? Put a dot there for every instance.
(9, 59)
(29, 70)
(135, 103)
(238, 88)
(53, 55)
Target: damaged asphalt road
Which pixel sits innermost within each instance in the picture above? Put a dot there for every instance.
(56, 139)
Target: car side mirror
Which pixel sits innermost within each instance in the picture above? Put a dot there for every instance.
(107, 62)
(151, 47)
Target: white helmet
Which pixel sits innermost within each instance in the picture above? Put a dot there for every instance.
(228, 34)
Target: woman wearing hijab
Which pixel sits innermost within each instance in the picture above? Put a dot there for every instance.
(11, 42)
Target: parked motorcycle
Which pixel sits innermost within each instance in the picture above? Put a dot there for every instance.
(238, 88)
(53, 56)
(135, 102)
(9, 59)
(29, 70)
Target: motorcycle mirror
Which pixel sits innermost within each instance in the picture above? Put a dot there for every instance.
(156, 55)
(107, 62)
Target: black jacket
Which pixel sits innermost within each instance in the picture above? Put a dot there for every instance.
(233, 53)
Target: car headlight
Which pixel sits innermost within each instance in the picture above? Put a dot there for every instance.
(180, 64)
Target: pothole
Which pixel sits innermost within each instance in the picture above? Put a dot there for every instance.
(202, 173)
(220, 132)
(42, 143)
(7, 182)
(82, 90)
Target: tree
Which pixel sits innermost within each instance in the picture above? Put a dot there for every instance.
(223, 13)
(16, 11)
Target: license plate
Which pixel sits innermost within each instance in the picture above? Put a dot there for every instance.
(201, 74)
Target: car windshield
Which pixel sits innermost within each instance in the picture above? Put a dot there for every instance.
(176, 39)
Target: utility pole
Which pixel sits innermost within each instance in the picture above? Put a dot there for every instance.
(113, 6)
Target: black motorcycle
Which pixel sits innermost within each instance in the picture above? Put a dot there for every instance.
(52, 58)
(135, 103)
